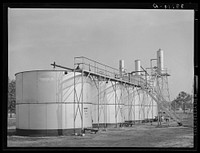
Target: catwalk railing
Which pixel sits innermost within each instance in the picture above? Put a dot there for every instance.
(86, 65)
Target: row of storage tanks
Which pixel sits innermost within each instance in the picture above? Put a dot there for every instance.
(45, 102)
(48, 103)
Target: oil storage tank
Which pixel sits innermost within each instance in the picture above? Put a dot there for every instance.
(108, 111)
(138, 104)
(45, 103)
(115, 104)
(129, 104)
(99, 103)
(150, 107)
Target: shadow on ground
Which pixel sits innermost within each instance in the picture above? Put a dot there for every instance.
(11, 132)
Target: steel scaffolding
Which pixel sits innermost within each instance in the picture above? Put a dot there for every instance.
(153, 87)
(123, 88)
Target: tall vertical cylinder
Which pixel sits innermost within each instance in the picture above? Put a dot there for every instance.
(121, 67)
(108, 111)
(137, 67)
(45, 102)
(160, 60)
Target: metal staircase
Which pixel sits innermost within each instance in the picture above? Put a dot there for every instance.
(158, 98)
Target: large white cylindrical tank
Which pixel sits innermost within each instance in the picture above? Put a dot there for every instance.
(108, 110)
(160, 60)
(137, 66)
(150, 108)
(115, 103)
(128, 104)
(139, 106)
(99, 103)
(45, 102)
(134, 106)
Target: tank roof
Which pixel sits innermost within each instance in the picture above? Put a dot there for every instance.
(40, 71)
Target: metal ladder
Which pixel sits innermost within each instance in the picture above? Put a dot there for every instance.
(159, 99)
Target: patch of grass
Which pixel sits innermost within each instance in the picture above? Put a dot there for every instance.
(186, 118)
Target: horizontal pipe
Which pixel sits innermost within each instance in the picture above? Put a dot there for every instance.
(55, 65)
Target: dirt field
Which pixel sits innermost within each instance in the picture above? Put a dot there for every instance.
(142, 135)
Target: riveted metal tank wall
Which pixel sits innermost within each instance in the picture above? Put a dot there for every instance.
(139, 105)
(45, 102)
(99, 103)
(129, 103)
(108, 111)
(150, 108)
(115, 103)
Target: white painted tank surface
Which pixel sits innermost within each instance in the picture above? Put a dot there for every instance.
(150, 107)
(129, 104)
(139, 106)
(132, 103)
(108, 111)
(45, 102)
(99, 103)
(115, 103)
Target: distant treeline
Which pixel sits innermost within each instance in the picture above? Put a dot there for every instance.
(11, 96)
(183, 101)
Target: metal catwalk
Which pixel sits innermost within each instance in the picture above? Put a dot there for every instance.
(123, 87)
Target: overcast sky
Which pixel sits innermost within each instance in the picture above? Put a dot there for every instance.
(38, 37)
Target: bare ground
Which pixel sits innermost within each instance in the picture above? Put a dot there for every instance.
(140, 135)
(143, 135)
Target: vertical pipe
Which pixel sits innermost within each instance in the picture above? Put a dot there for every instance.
(167, 86)
(82, 101)
(137, 66)
(82, 113)
(98, 102)
(139, 105)
(158, 107)
(134, 104)
(146, 78)
(128, 105)
(121, 101)
(74, 96)
(115, 106)
(152, 107)
(160, 61)
(121, 68)
(151, 67)
(105, 114)
(143, 103)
